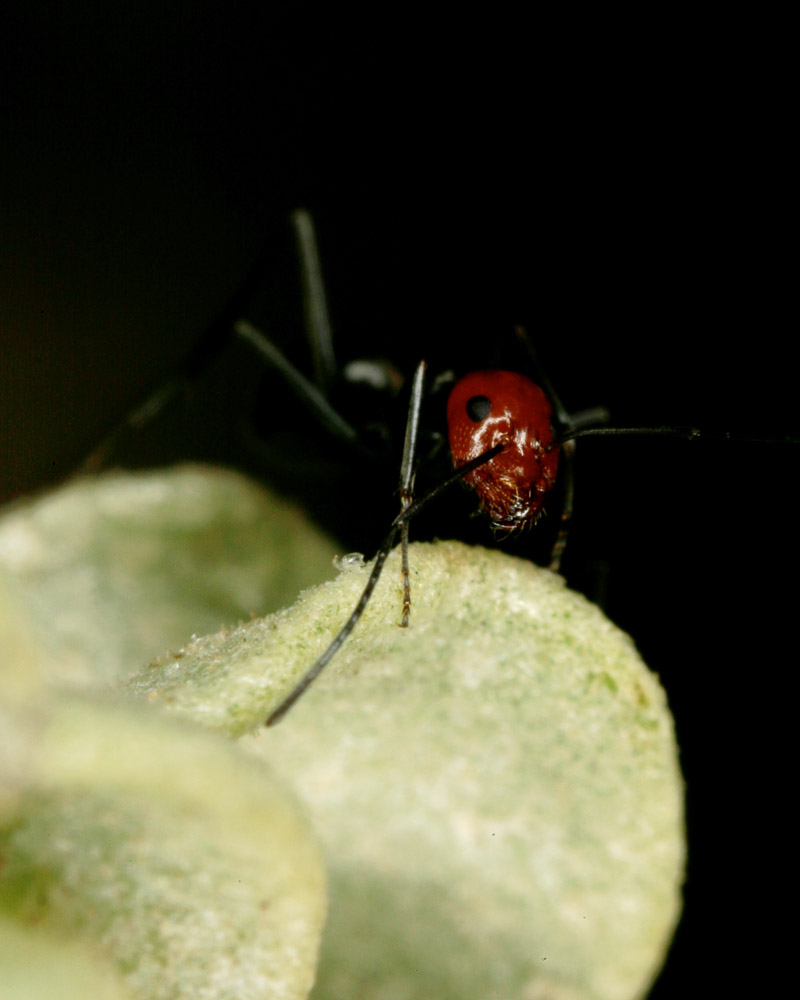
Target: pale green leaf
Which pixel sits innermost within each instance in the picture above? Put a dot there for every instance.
(497, 787)
(152, 859)
(161, 848)
(35, 963)
(109, 571)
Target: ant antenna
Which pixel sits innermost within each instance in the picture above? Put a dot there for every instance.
(409, 510)
(686, 433)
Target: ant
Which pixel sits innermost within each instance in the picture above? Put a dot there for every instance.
(507, 434)
(510, 437)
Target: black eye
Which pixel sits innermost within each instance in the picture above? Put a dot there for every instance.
(478, 408)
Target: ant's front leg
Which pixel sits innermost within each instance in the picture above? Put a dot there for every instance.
(407, 473)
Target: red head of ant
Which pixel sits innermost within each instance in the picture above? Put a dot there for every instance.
(488, 408)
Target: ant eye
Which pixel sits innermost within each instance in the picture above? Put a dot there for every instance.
(478, 408)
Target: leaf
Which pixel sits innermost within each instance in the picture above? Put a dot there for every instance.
(110, 571)
(149, 858)
(163, 848)
(36, 963)
(497, 786)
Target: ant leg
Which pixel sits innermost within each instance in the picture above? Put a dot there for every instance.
(315, 301)
(193, 366)
(101, 455)
(568, 460)
(407, 474)
(312, 394)
(597, 415)
(306, 391)
(565, 422)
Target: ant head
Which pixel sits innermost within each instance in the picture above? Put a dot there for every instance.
(487, 408)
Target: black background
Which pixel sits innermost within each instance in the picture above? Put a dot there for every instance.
(620, 188)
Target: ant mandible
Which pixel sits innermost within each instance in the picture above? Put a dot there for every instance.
(507, 437)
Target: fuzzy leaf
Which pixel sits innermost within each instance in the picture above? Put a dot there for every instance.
(497, 786)
(148, 858)
(112, 570)
(36, 963)
(163, 848)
